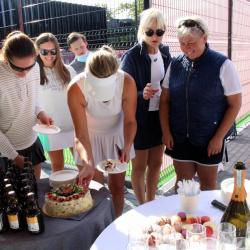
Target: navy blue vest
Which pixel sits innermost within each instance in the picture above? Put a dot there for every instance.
(137, 63)
(198, 103)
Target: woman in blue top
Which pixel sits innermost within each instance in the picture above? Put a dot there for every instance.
(200, 100)
(147, 63)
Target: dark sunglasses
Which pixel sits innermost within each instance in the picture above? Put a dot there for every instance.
(158, 32)
(20, 69)
(45, 52)
(190, 23)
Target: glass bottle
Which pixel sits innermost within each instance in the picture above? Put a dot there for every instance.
(14, 213)
(3, 162)
(26, 175)
(14, 177)
(237, 211)
(26, 182)
(1, 181)
(23, 196)
(28, 169)
(10, 176)
(7, 189)
(1, 173)
(17, 173)
(34, 215)
(4, 224)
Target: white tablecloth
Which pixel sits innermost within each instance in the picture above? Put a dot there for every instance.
(115, 236)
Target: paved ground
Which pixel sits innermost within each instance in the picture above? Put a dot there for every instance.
(238, 150)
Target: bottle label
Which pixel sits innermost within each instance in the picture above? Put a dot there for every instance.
(13, 221)
(239, 178)
(33, 225)
(1, 221)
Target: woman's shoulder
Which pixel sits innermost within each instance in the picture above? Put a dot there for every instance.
(133, 51)
(128, 79)
(68, 67)
(77, 80)
(164, 49)
(71, 70)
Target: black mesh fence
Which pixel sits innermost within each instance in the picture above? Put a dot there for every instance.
(102, 22)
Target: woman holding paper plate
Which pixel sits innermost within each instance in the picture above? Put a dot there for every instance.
(55, 77)
(102, 102)
(19, 108)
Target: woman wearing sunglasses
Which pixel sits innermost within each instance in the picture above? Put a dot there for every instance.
(19, 109)
(55, 77)
(147, 63)
(200, 100)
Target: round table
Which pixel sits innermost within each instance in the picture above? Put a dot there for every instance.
(65, 234)
(115, 236)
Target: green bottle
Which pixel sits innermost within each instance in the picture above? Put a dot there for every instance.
(237, 211)
(34, 215)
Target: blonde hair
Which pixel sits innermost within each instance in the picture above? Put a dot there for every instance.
(61, 71)
(192, 31)
(149, 18)
(103, 62)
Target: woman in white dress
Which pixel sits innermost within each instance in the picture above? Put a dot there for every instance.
(55, 77)
(102, 102)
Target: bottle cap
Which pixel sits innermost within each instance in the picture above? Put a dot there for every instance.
(240, 165)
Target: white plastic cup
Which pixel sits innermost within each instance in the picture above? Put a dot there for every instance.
(189, 204)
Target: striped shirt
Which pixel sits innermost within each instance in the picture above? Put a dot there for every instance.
(18, 109)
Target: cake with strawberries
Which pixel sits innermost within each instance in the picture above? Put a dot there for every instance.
(67, 200)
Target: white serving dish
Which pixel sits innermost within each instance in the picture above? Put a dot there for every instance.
(227, 187)
(62, 177)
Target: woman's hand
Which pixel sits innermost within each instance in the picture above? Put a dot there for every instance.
(168, 140)
(45, 119)
(125, 155)
(148, 92)
(19, 160)
(214, 146)
(85, 175)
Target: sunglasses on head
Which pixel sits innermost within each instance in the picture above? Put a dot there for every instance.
(45, 52)
(158, 32)
(190, 23)
(20, 69)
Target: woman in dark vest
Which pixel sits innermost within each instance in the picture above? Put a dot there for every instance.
(199, 103)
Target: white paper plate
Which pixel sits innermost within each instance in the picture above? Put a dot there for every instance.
(119, 168)
(62, 177)
(227, 187)
(45, 129)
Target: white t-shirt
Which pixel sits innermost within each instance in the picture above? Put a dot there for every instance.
(228, 76)
(157, 74)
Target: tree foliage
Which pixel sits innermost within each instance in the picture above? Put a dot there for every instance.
(131, 8)
(109, 14)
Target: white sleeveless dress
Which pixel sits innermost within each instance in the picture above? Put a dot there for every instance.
(105, 123)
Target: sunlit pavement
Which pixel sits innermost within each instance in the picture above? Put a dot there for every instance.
(238, 150)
